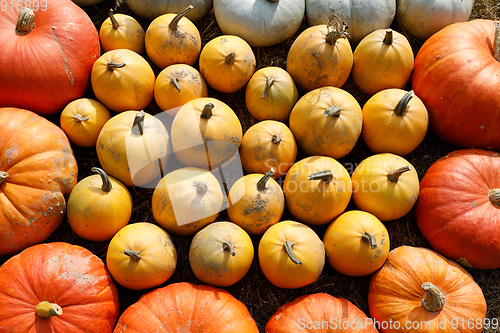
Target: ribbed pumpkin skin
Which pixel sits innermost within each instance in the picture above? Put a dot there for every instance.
(399, 282)
(455, 72)
(185, 307)
(42, 170)
(454, 211)
(62, 273)
(47, 68)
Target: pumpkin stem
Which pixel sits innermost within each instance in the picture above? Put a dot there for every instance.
(276, 138)
(369, 239)
(79, 118)
(336, 29)
(114, 22)
(269, 83)
(288, 248)
(496, 43)
(402, 105)
(230, 58)
(493, 195)
(175, 82)
(106, 183)
(229, 247)
(3, 176)
(433, 300)
(133, 254)
(388, 36)
(325, 175)
(394, 174)
(46, 309)
(25, 21)
(206, 113)
(111, 66)
(175, 21)
(261, 184)
(201, 188)
(139, 121)
(333, 111)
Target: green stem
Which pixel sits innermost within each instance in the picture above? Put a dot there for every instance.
(395, 174)
(402, 105)
(106, 183)
(269, 82)
(369, 239)
(175, 82)
(111, 66)
(333, 111)
(325, 175)
(230, 58)
(388, 36)
(133, 254)
(139, 121)
(206, 113)
(288, 248)
(114, 22)
(174, 24)
(261, 184)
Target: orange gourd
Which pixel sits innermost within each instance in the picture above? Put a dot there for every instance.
(121, 31)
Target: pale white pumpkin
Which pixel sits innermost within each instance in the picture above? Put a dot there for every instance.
(422, 18)
(362, 16)
(260, 23)
(151, 9)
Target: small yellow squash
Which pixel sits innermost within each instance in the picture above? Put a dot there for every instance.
(121, 31)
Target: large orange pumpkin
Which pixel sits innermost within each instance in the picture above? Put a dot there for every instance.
(57, 287)
(185, 307)
(37, 172)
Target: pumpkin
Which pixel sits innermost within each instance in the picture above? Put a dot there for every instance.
(98, 207)
(123, 80)
(260, 23)
(151, 9)
(121, 31)
(268, 144)
(271, 94)
(227, 63)
(362, 16)
(256, 202)
(37, 172)
(457, 210)
(141, 255)
(383, 59)
(394, 121)
(432, 294)
(317, 189)
(326, 121)
(385, 185)
(176, 85)
(221, 254)
(319, 313)
(57, 287)
(173, 39)
(206, 133)
(456, 70)
(186, 200)
(321, 56)
(187, 307)
(357, 243)
(134, 147)
(421, 19)
(82, 121)
(291, 255)
(65, 42)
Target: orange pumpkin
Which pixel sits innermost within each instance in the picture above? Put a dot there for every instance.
(256, 202)
(121, 31)
(317, 190)
(268, 144)
(37, 172)
(326, 121)
(141, 255)
(227, 63)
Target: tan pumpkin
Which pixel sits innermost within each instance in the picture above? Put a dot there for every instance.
(121, 31)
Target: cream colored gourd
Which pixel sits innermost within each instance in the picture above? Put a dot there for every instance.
(151, 9)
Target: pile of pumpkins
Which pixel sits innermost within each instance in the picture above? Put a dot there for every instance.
(301, 110)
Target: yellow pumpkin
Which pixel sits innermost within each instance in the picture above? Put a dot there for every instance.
(121, 31)
(82, 121)
(141, 256)
(268, 144)
(221, 254)
(176, 85)
(326, 121)
(357, 243)
(271, 94)
(317, 190)
(291, 255)
(394, 121)
(134, 147)
(98, 207)
(385, 185)
(123, 80)
(227, 63)
(186, 200)
(206, 133)
(172, 39)
(256, 202)
(383, 59)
